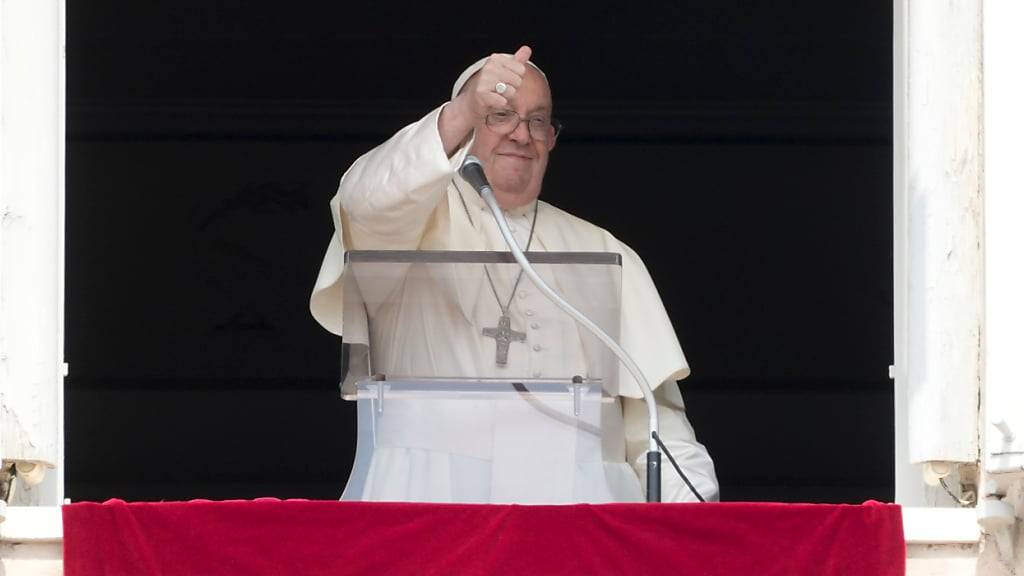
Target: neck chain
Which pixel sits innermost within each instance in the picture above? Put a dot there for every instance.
(503, 333)
(529, 241)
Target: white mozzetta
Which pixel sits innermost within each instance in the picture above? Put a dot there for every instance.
(32, 109)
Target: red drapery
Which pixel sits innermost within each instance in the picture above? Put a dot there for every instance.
(269, 536)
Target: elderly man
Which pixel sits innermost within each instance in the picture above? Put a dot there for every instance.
(406, 194)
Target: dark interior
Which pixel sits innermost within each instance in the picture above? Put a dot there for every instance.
(743, 149)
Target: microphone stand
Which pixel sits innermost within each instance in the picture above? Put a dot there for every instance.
(653, 453)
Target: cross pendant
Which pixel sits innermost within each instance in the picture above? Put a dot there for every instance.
(503, 335)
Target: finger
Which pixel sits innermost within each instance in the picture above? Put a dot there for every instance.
(489, 79)
(509, 93)
(523, 54)
(494, 100)
(504, 64)
(490, 86)
(517, 78)
(509, 77)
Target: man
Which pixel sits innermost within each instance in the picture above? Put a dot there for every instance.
(406, 195)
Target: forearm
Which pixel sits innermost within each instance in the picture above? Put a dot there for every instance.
(678, 435)
(387, 196)
(454, 125)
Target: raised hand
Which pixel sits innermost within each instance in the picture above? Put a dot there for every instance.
(481, 96)
(496, 83)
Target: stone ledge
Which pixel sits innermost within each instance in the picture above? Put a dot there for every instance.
(941, 526)
(26, 524)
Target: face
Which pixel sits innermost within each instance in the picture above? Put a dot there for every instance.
(515, 163)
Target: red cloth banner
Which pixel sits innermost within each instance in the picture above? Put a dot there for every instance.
(269, 536)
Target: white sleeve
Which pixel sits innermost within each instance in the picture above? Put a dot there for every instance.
(387, 196)
(678, 436)
(385, 201)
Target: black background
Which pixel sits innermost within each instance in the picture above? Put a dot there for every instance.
(743, 149)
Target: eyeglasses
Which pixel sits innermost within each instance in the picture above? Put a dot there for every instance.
(541, 128)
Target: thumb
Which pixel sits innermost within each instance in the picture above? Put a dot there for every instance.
(523, 54)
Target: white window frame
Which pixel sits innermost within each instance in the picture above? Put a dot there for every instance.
(958, 231)
(938, 243)
(32, 133)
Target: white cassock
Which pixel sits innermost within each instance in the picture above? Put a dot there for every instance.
(405, 195)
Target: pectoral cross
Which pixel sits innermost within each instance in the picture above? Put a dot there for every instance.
(503, 336)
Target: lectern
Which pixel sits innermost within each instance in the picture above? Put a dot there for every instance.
(471, 387)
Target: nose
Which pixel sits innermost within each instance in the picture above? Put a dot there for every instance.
(521, 134)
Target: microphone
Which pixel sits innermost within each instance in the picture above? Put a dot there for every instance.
(472, 171)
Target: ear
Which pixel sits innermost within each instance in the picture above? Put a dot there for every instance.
(551, 143)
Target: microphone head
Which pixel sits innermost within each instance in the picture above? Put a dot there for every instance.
(472, 171)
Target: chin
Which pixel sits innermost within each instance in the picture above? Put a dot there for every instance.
(514, 200)
(514, 190)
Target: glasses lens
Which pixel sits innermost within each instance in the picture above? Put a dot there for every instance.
(506, 121)
(502, 121)
(542, 129)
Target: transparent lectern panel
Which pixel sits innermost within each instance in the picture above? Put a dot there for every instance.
(426, 314)
(488, 441)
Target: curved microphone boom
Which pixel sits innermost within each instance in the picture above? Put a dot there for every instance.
(473, 172)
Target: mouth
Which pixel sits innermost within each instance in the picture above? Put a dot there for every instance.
(518, 155)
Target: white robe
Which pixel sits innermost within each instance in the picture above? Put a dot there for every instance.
(405, 195)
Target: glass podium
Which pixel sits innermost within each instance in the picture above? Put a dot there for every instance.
(472, 387)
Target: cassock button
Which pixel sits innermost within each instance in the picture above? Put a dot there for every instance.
(522, 294)
(534, 325)
(529, 312)
(536, 348)
(536, 374)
